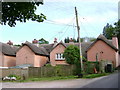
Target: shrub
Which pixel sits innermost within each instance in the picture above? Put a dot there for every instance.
(17, 77)
(72, 57)
(89, 67)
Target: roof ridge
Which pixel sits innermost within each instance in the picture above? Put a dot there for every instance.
(36, 49)
(104, 39)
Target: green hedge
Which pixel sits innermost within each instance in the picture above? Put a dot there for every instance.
(89, 67)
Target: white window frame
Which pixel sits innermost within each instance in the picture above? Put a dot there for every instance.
(59, 56)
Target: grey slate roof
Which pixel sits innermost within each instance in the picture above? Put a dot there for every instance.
(8, 50)
(104, 39)
(36, 50)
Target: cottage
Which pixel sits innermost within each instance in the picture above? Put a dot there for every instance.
(32, 54)
(8, 54)
(37, 55)
(100, 49)
(104, 49)
(56, 54)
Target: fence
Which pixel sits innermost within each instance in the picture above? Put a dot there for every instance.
(46, 71)
(50, 71)
(62, 70)
(13, 71)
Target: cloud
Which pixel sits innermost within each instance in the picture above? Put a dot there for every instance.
(99, 18)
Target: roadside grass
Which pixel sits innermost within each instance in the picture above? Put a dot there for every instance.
(48, 78)
(96, 75)
(88, 76)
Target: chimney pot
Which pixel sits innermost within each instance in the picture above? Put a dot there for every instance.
(71, 41)
(10, 43)
(55, 40)
(35, 42)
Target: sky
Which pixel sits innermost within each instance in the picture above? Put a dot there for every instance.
(93, 16)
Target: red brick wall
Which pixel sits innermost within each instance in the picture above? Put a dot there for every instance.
(107, 53)
(40, 61)
(59, 49)
(8, 61)
(1, 59)
(25, 56)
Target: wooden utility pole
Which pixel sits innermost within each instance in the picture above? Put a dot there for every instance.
(78, 28)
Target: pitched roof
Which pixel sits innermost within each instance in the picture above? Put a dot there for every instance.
(48, 47)
(8, 50)
(36, 50)
(84, 46)
(104, 39)
(54, 46)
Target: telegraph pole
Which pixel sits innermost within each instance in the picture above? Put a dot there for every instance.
(78, 29)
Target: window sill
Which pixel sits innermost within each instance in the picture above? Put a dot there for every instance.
(59, 59)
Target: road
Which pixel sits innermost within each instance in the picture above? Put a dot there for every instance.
(110, 81)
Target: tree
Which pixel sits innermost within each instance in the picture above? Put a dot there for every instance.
(117, 31)
(17, 45)
(109, 31)
(20, 11)
(66, 40)
(72, 56)
(43, 41)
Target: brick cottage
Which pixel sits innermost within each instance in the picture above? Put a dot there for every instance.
(38, 55)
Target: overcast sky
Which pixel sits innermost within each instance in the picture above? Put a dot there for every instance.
(60, 23)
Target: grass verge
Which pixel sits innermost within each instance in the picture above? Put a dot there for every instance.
(89, 76)
(49, 78)
(95, 75)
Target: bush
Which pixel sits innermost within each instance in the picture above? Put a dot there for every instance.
(17, 77)
(89, 67)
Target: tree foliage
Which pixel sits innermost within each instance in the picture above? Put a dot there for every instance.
(89, 39)
(43, 41)
(67, 40)
(20, 11)
(112, 30)
(72, 55)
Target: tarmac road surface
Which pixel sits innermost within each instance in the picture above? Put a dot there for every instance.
(110, 81)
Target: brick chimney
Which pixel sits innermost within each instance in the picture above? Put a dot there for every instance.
(55, 42)
(115, 41)
(71, 41)
(10, 43)
(35, 42)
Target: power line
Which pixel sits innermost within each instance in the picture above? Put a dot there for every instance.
(88, 34)
(67, 26)
(58, 23)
